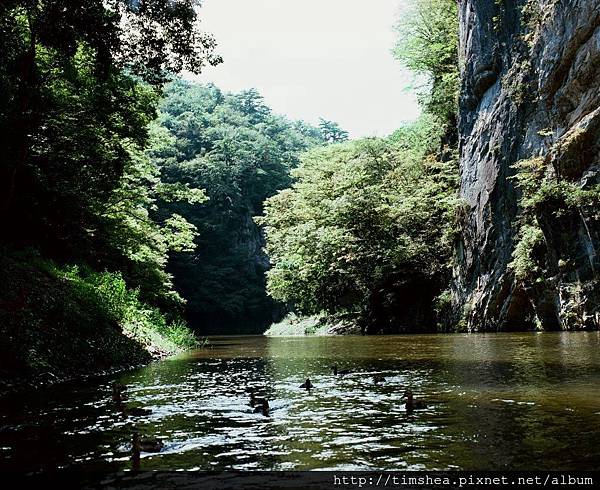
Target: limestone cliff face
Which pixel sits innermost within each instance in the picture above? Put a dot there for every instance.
(531, 88)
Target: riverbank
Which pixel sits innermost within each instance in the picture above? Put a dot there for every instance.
(319, 325)
(59, 323)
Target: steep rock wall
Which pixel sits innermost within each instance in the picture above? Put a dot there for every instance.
(530, 89)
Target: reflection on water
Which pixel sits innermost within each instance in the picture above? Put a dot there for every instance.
(495, 401)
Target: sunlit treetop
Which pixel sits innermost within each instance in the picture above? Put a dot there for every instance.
(149, 38)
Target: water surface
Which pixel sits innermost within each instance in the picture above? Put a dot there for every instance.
(495, 401)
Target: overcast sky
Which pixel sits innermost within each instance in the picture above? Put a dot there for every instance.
(314, 58)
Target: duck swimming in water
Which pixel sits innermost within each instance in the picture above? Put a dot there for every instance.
(336, 372)
(254, 400)
(378, 378)
(412, 404)
(263, 407)
(119, 387)
(118, 394)
(307, 385)
(145, 445)
(119, 397)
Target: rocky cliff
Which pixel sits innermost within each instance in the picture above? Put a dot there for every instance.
(530, 102)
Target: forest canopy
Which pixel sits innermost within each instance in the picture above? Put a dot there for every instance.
(79, 85)
(116, 165)
(239, 152)
(365, 229)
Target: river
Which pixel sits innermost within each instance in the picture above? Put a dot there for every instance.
(494, 401)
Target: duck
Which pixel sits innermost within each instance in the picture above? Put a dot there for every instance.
(307, 385)
(145, 445)
(118, 398)
(118, 394)
(118, 387)
(412, 404)
(263, 407)
(254, 401)
(378, 378)
(336, 372)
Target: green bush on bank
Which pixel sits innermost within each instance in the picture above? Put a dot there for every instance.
(108, 292)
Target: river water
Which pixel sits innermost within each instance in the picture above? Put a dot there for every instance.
(494, 401)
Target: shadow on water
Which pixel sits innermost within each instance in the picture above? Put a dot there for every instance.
(494, 401)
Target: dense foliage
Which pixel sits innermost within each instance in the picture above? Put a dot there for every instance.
(240, 153)
(79, 85)
(365, 229)
(332, 132)
(74, 112)
(153, 192)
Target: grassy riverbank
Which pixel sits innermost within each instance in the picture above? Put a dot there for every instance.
(60, 322)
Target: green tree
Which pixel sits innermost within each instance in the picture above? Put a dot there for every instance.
(365, 229)
(428, 45)
(140, 236)
(331, 131)
(79, 83)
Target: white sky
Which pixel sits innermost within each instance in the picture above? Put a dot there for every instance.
(314, 58)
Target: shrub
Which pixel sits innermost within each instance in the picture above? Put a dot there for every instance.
(107, 291)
